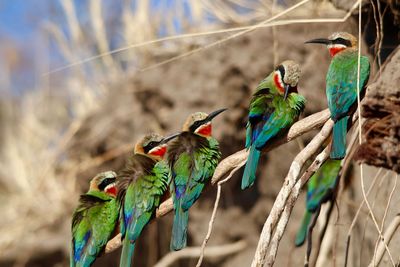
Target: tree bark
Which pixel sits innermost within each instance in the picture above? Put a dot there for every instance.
(381, 108)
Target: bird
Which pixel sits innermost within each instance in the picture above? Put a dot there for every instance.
(341, 84)
(192, 157)
(320, 189)
(94, 220)
(274, 107)
(141, 185)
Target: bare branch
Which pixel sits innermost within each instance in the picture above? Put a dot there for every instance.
(281, 200)
(238, 159)
(280, 229)
(193, 252)
(387, 237)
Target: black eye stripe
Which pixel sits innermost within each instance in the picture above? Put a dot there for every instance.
(106, 182)
(281, 69)
(196, 125)
(150, 146)
(341, 41)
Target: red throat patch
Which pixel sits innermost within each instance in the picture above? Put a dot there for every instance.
(160, 152)
(205, 130)
(112, 191)
(334, 50)
(278, 83)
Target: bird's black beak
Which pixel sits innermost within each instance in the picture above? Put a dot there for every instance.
(213, 114)
(287, 89)
(169, 138)
(319, 41)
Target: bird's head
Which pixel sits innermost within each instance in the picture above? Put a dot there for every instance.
(286, 77)
(337, 42)
(104, 182)
(200, 123)
(153, 145)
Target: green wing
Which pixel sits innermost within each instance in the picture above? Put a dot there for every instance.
(341, 82)
(93, 224)
(191, 171)
(142, 197)
(322, 183)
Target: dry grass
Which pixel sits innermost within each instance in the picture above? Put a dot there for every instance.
(38, 180)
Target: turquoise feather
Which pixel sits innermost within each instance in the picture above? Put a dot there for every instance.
(270, 115)
(320, 188)
(142, 183)
(341, 92)
(93, 224)
(193, 160)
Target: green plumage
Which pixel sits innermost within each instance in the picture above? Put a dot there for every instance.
(320, 188)
(142, 184)
(270, 115)
(93, 224)
(341, 92)
(193, 160)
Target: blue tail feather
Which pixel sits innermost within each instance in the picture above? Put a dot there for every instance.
(302, 233)
(338, 150)
(127, 253)
(179, 228)
(249, 174)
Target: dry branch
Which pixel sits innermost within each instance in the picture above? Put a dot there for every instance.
(280, 229)
(239, 158)
(281, 200)
(193, 252)
(387, 237)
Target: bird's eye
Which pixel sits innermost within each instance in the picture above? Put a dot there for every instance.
(151, 144)
(342, 41)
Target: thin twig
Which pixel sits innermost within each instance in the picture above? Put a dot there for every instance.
(388, 236)
(214, 213)
(353, 223)
(360, 131)
(243, 29)
(193, 252)
(385, 214)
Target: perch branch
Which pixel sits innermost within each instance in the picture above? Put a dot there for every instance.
(193, 252)
(280, 229)
(289, 183)
(387, 237)
(239, 158)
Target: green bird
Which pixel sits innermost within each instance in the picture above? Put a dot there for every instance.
(141, 185)
(94, 220)
(341, 85)
(274, 107)
(320, 189)
(192, 157)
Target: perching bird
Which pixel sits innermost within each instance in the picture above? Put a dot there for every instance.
(192, 157)
(341, 84)
(320, 189)
(94, 220)
(274, 107)
(142, 183)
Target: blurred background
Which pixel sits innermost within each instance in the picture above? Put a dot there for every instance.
(76, 91)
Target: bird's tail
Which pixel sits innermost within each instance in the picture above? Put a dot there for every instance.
(302, 233)
(127, 253)
(179, 228)
(338, 150)
(249, 174)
